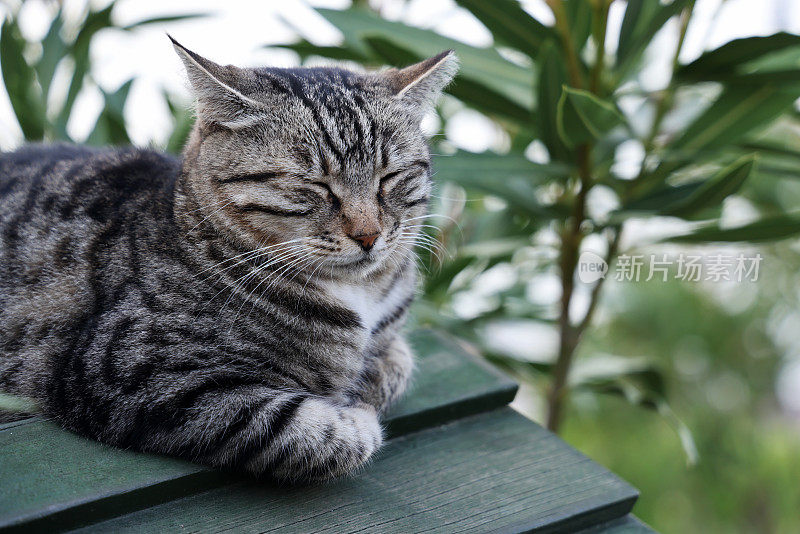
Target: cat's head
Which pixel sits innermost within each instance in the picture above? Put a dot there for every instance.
(326, 166)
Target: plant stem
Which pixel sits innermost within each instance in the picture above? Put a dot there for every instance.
(600, 42)
(613, 246)
(572, 235)
(666, 99)
(562, 25)
(570, 245)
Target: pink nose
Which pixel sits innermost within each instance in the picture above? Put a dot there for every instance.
(366, 241)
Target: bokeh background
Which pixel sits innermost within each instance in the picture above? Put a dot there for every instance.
(689, 390)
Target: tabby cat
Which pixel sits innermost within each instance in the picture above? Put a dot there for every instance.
(241, 306)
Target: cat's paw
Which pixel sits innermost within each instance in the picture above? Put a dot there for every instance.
(325, 440)
(389, 375)
(400, 361)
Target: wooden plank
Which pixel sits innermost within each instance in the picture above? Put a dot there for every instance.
(494, 471)
(624, 525)
(449, 384)
(50, 477)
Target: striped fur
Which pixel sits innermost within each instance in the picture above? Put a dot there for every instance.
(224, 307)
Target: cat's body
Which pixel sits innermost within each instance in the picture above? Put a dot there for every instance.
(231, 307)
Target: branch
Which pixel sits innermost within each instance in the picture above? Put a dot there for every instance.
(572, 236)
(667, 95)
(562, 25)
(600, 45)
(613, 246)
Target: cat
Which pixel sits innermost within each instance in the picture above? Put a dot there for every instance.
(241, 306)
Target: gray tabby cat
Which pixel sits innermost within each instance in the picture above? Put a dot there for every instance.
(239, 307)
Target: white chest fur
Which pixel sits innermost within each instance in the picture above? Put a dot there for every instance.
(368, 302)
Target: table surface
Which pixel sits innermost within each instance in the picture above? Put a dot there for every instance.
(458, 460)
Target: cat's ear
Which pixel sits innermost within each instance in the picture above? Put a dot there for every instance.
(422, 83)
(217, 88)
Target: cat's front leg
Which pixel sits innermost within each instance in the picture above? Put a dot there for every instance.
(386, 374)
(225, 421)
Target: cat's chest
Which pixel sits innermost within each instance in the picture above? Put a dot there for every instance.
(371, 304)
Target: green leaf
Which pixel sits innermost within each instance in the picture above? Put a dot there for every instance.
(53, 51)
(510, 177)
(510, 24)
(438, 282)
(665, 196)
(110, 125)
(602, 368)
(472, 93)
(183, 121)
(305, 49)
(637, 16)
(484, 66)
(492, 166)
(771, 228)
(79, 51)
(20, 81)
(579, 16)
(582, 117)
(714, 190)
(737, 112)
(552, 77)
(776, 158)
(494, 248)
(787, 79)
(642, 21)
(639, 381)
(731, 56)
(165, 20)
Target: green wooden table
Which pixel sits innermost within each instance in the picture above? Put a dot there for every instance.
(458, 460)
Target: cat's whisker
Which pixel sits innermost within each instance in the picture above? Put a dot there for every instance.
(452, 199)
(299, 269)
(253, 272)
(298, 266)
(286, 255)
(321, 263)
(249, 254)
(443, 216)
(235, 286)
(429, 248)
(441, 230)
(411, 230)
(409, 255)
(314, 257)
(276, 274)
(297, 263)
(217, 203)
(209, 215)
(254, 256)
(420, 226)
(425, 238)
(242, 281)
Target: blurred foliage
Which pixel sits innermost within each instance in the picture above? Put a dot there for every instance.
(29, 68)
(723, 128)
(721, 366)
(562, 90)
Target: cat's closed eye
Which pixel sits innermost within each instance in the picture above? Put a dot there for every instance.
(250, 177)
(329, 194)
(397, 181)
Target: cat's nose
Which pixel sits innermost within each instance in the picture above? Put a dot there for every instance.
(366, 240)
